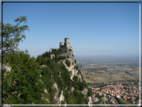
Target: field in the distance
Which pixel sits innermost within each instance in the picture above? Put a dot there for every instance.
(109, 68)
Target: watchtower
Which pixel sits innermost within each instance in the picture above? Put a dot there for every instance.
(61, 43)
(50, 49)
(67, 43)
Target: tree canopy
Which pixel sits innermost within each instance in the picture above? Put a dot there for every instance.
(13, 34)
(21, 84)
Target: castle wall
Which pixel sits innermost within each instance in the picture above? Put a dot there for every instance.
(67, 44)
(66, 54)
(70, 47)
(53, 49)
(63, 48)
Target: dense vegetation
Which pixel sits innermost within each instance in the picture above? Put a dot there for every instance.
(67, 63)
(57, 73)
(22, 80)
(28, 78)
(42, 59)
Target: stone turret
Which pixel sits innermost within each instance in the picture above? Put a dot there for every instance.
(61, 43)
(67, 43)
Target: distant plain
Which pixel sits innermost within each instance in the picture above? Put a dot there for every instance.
(103, 69)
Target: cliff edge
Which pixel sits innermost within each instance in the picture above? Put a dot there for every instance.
(69, 85)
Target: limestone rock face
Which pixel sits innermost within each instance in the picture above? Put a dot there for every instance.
(45, 91)
(90, 102)
(72, 89)
(55, 86)
(85, 91)
(61, 98)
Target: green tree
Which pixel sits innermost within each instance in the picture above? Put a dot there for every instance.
(22, 84)
(89, 92)
(67, 63)
(65, 74)
(12, 35)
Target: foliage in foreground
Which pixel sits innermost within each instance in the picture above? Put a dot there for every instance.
(19, 85)
(23, 85)
(13, 35)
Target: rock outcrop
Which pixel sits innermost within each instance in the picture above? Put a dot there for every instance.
(72, 89)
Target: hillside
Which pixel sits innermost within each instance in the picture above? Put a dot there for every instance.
(52, 78)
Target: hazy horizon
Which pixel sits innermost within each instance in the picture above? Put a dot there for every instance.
(100, 55)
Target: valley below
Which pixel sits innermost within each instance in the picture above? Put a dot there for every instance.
(109, 68)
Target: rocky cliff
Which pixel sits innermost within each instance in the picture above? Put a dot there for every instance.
(67, 81)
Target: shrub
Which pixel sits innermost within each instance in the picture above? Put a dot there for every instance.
(67, 63)
(61, 57)
(65, 74)
(81, 86)
(89, 92)
(75, 78)
(70, 49)
(24, 80)
(76, 67)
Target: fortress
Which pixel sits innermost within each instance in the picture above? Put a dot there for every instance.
(66, 48)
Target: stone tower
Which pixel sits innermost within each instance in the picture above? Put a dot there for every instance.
(67, 43)
(61, 43)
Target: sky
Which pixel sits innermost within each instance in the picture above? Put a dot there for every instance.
(93, 28)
